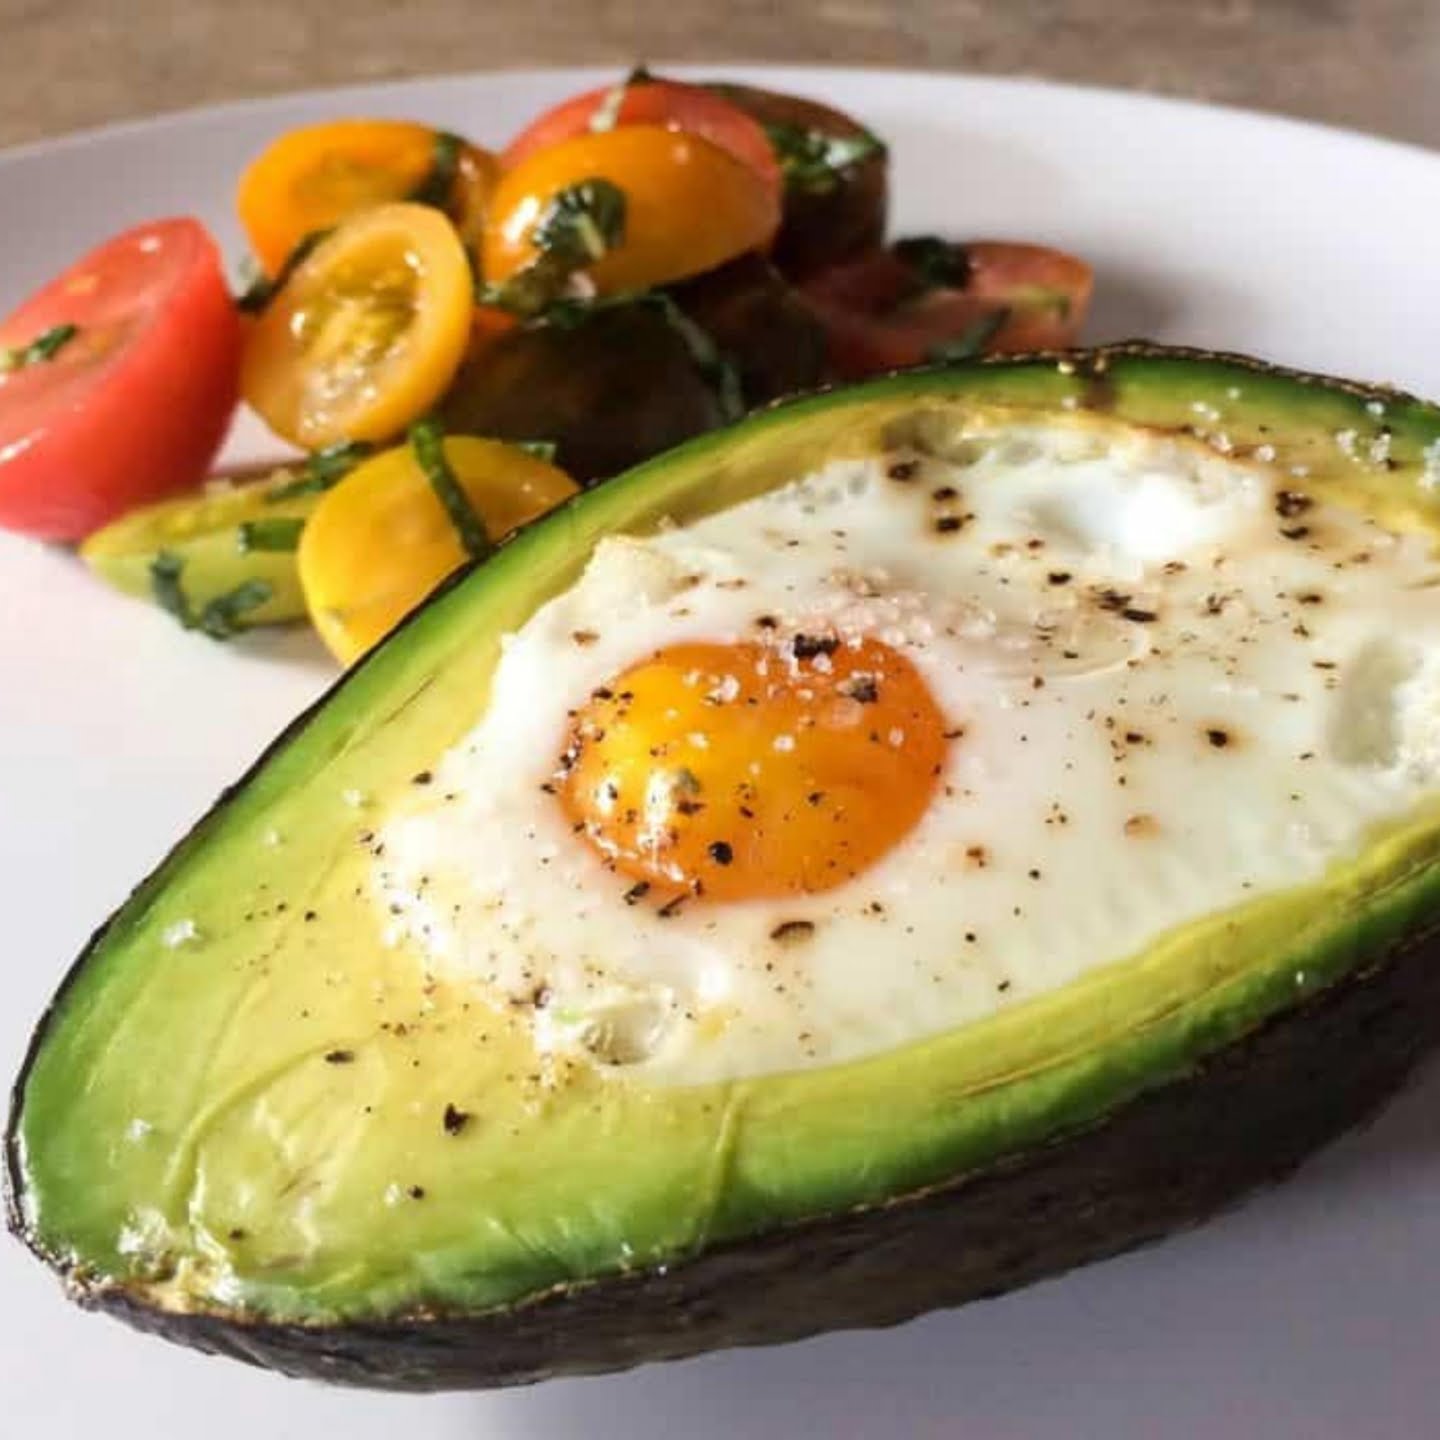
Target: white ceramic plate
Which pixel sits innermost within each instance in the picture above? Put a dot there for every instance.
(1312, 1312)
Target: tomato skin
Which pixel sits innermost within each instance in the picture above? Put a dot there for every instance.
(823, 227)
(379, 542)
(1014, 298)
(689, 206)
(313, 177)
(666, 103)
(134, 408)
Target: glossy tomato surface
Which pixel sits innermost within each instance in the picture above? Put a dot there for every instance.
(689, 206)
(313, 177)
(641, 100)
(133, 405)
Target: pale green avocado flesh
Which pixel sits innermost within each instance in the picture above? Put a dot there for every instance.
(243, 1103)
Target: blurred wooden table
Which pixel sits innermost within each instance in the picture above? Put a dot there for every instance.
(1371, 64)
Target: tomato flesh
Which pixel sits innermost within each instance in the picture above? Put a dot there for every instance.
(367, 331)
(134, 407)
(880, 314)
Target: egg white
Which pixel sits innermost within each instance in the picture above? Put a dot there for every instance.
(1168, 706)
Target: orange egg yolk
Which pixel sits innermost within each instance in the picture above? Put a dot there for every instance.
(735, 771)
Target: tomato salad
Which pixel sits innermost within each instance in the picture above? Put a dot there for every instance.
(455, 340)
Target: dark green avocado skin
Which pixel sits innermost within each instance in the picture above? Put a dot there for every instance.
(1169, 1160)
(1176, 1155)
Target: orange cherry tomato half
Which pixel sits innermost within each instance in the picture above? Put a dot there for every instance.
(367, 331)
(689, 205)
(881, 313)
(117, 382)
(312, 178)
(643, 101)
(380, 541)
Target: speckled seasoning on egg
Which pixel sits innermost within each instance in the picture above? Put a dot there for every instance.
(825, 773)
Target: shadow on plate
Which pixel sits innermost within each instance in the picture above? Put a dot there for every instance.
(297, 645)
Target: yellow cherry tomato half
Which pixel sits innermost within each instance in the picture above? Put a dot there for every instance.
(381, 541)
(689, 205)
(312, 178)
(366, 333)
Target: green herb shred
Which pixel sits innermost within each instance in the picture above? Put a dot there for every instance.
(435, 189)
(323, 469)
(42, 349)
(427, 440)
(219, 618)
(169, 593)
(582, 222)
(971, 342)
(934, 262)
(545, 450)
(709, 360)
(812, 161)
(279, 533)
(263, 289)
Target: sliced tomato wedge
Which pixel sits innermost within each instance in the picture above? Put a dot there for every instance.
(688, 206)
(922, 301)
(643, 100)
(367, 330)
(117, 382)
(381, 540)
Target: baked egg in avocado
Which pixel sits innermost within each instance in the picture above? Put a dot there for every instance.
(923, 837)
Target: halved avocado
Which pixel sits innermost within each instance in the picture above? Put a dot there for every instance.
(247, 1124)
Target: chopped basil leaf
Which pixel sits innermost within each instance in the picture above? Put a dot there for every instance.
(323, 469)
(262, 290)
(165, 586)
(971, 342)
(427, 440)
(43, 348)
(569, 312)
(439, 181)
(219, 618)
(582, 222)
(541, 449)
(282, 532)
(935, 263)
(812, 161)
(529, 292)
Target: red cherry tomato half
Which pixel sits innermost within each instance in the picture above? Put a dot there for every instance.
(884, 311)
(117, 382)
(643, 101)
